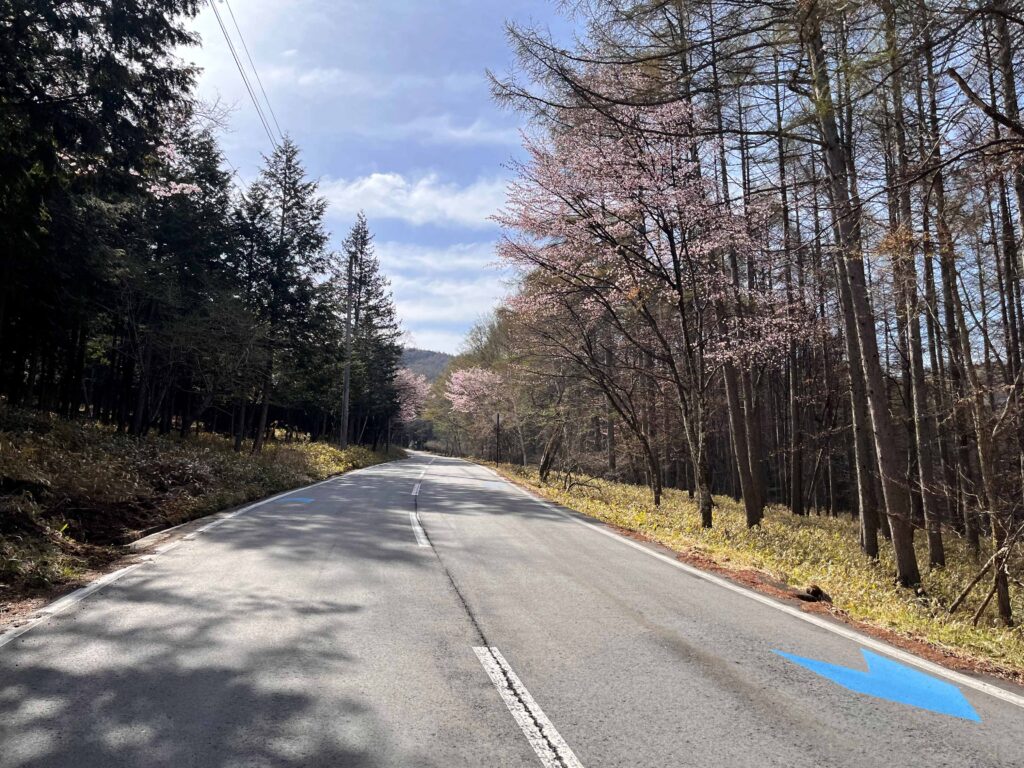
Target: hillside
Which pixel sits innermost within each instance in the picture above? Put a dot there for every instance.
(425, 362)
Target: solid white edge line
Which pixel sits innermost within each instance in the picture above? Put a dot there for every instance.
(545, 739)
(421, 537)
(62, 604)
(80, 594)
(837, 629)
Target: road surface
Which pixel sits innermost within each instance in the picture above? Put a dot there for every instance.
(331, 627)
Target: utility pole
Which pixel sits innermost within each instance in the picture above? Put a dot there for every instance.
(347, 378)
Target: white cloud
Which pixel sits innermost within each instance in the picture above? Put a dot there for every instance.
(320, 81)
(317, 81)
(438, 341)
(324, 78)
(442, 129)
(447, 301)
(441, 291)
(407, 258)
(426, 200)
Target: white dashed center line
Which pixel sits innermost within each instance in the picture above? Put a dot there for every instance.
(545, 740)
(421, 537)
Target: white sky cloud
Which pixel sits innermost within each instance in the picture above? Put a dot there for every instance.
(423, 200)
(441, 291)
(443, 129)
(446, 300)
(437, 341)
(405, 258)
(335, 82)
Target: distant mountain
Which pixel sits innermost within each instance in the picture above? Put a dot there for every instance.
(425, 362)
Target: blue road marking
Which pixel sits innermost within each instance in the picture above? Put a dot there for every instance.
(299, 499)
(886, 679)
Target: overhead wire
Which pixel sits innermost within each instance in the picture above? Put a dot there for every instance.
(252, 64)
(241, 71)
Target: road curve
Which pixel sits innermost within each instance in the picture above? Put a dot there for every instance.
(353, 623)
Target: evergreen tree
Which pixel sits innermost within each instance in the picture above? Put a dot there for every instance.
(282, 217)
(135, 286)
(373, 352)
(86, 91)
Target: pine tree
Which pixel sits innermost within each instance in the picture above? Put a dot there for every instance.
(282, 217)
(372, 333)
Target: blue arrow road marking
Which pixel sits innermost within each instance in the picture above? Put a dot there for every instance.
(885, 679)
(299, 499)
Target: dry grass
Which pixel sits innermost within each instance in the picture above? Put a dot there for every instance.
(812, 550)
(72, 493)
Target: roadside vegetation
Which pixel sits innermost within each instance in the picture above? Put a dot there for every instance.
(796, 552)
(72, 494)
(773, 254)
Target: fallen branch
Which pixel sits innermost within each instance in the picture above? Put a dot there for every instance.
(1003, 552)
(984, 604)
(974, 582)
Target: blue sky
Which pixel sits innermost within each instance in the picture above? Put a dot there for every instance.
(390, 103)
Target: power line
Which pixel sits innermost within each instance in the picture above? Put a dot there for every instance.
(255, 71)
(241, 71)
(240, 183)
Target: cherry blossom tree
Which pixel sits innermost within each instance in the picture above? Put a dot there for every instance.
(614, 210)
(412, 390)
(474, 391)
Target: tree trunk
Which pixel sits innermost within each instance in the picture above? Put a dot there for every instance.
(701, 475)
(740, 444)
(551, 448)
(905, 273)
(891, 462)
(261, 425)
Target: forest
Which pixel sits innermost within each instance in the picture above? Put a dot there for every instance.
(768, 256)
(143, 283)
(770, 251)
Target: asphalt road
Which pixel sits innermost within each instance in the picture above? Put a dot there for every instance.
(329, 628)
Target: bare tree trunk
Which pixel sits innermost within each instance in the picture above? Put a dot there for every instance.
(740, 443)
(701, 474)
(346, 383)
(891, 463)
(261, 425)
(905, 273)
(795, 447)
(551, 448)
(609, 412)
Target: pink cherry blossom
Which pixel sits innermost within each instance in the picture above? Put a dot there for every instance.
(413, 391)
(474, 391)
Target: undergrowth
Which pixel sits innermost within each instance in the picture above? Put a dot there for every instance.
(72, 493)
(800, 551)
